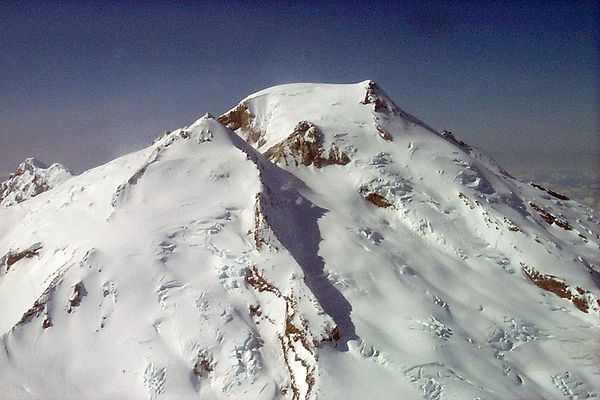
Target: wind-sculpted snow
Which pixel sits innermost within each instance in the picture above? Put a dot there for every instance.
(315, 242)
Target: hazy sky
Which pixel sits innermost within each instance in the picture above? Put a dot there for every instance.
(83, 82)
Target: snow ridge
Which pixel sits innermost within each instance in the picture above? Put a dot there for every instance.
(314, 242)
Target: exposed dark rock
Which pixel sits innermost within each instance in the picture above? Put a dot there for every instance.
(551, 219)
(384, 134)
(12, 257)
(305, 146)
(203, 366)
(35, 311)
(293, 334)
(466, 200)
(578, 296)
(375, 198)
(75, 298)
(240, 119)
(334, 335)
(558, 195)
(255, 310)
(449, 136)
(381, 104)
(511, 225)
(31, 178)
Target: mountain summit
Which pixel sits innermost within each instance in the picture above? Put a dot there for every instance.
(314, 242)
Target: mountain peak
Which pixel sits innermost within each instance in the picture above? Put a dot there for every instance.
(30, 163)
(269, 116)
(344, 249)
(30, 179)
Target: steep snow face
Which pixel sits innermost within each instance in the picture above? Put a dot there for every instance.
(29, 180)
(336, 247)
(142, 278)
(460, 279)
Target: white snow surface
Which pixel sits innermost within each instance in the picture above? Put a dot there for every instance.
(199, 268)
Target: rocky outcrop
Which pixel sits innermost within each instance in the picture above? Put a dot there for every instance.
(551, 219)
(75, 299)
(385, 135)
(14, 256)
(558, 195)
(375, 198)
(304, 146)
(298, 346)
(31, 178)
(584, 300)
(449, 136)
(240, 120)
(381, 103)
(40, 307)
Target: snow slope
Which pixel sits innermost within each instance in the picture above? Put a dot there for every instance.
(335, 248)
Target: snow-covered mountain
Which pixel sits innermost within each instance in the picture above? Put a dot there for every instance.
(316, 241)
(31, 178)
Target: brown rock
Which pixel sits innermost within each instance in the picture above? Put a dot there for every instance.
(240, 119)
(305, 146)
(559, 287)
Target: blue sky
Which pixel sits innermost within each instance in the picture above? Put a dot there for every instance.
(83, 82)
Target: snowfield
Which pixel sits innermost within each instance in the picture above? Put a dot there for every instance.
(315, 242)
